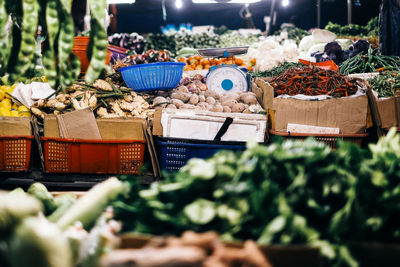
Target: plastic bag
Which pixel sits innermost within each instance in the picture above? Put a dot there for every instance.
(389, 27)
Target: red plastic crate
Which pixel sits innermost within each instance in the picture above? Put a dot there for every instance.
(93, 156)
(15, 153)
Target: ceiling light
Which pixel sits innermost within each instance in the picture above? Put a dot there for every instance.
(230, 2)
(285, 3)
(121, 1)
(178, 4)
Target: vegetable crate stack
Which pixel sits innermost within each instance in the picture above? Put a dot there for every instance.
(111, 146)
(15, 144)
(194, 121)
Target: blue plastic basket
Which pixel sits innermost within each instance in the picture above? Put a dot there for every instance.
(153, 76)
(174, 153)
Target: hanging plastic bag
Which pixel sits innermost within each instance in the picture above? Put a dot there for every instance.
(389, 27)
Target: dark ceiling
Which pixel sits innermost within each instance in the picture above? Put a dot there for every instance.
(146, 15)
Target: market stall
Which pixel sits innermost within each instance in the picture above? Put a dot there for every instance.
(278, 150)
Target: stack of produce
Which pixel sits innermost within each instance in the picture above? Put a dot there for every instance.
(133, 41)
(233, 39)
(191, 249)
(174, 43)
(371, 29)
(8, 107)
(386, 84)
(291, 33)
(288, 193)
(75, 232)
(194, 94)
(312, 81)
(269, 54)
(150, 56)
(106, 99)
(199, 63)
(372, 61)
(277, 70)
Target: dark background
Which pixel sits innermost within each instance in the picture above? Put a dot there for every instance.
(145, 16)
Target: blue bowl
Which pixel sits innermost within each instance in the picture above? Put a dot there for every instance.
(153, 76)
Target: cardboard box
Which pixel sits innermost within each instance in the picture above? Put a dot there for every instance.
(349, 114)
(385, 111)
(204, 125)
(15, 126)
(110, 129)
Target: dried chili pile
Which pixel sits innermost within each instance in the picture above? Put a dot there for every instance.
(312, 81)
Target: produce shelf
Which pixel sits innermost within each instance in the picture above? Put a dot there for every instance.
(93, 156)
(15, 153)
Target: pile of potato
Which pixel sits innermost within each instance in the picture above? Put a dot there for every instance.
(194, 94)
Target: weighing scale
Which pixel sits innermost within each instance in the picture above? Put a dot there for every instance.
(227, 78)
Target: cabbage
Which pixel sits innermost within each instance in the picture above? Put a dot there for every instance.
(317, 48)
(344, 43)
(323, 36)
(306, 43)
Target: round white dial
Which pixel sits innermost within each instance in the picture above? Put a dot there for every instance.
(227, 79)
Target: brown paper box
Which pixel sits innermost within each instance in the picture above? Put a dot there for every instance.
(157, 127)
(15, 126)
(121, 129)
(385, 111)
(79, 124)
(349, 114)
(110, 128)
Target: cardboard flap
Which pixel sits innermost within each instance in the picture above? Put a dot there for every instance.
(121, 128)
(15, 126)
(268, 93)
(79, 124)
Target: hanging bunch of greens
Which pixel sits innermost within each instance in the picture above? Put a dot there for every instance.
(61, 66)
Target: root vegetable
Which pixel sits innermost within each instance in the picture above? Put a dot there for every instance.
(192, 87)
(217, 108)
(172, 106)
(211, 93)
(203, 87)
(202, 98)
(198, 77)
(203, 105)
(182, 89)
(255, 108)
(249, 98)
(229, 103)
(187, 106)
(210, 100)
(76, 104)
(128, 98)
(145, 105)
(247, 111)
(194, 99)
(103, 85)
(238, 108)
(184, 97)
(102, 113)
(160, 101)
(117, 109)
(37, 112)
(92, 101)
(178, 103)
(227, 109)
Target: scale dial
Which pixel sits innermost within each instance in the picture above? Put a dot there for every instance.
(224, 79)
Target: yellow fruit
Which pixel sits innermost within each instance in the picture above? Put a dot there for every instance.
(5, 112)
(23, 108)
(44, 79)
(6, 103)
(14, 113)
(14, 106)
(2, 95)
(24, 114)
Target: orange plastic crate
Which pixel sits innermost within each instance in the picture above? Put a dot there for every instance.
(329, 139)
(15, 153)
(93, 156)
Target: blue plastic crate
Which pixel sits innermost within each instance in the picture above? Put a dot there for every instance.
(153, 76)
(174, 153)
